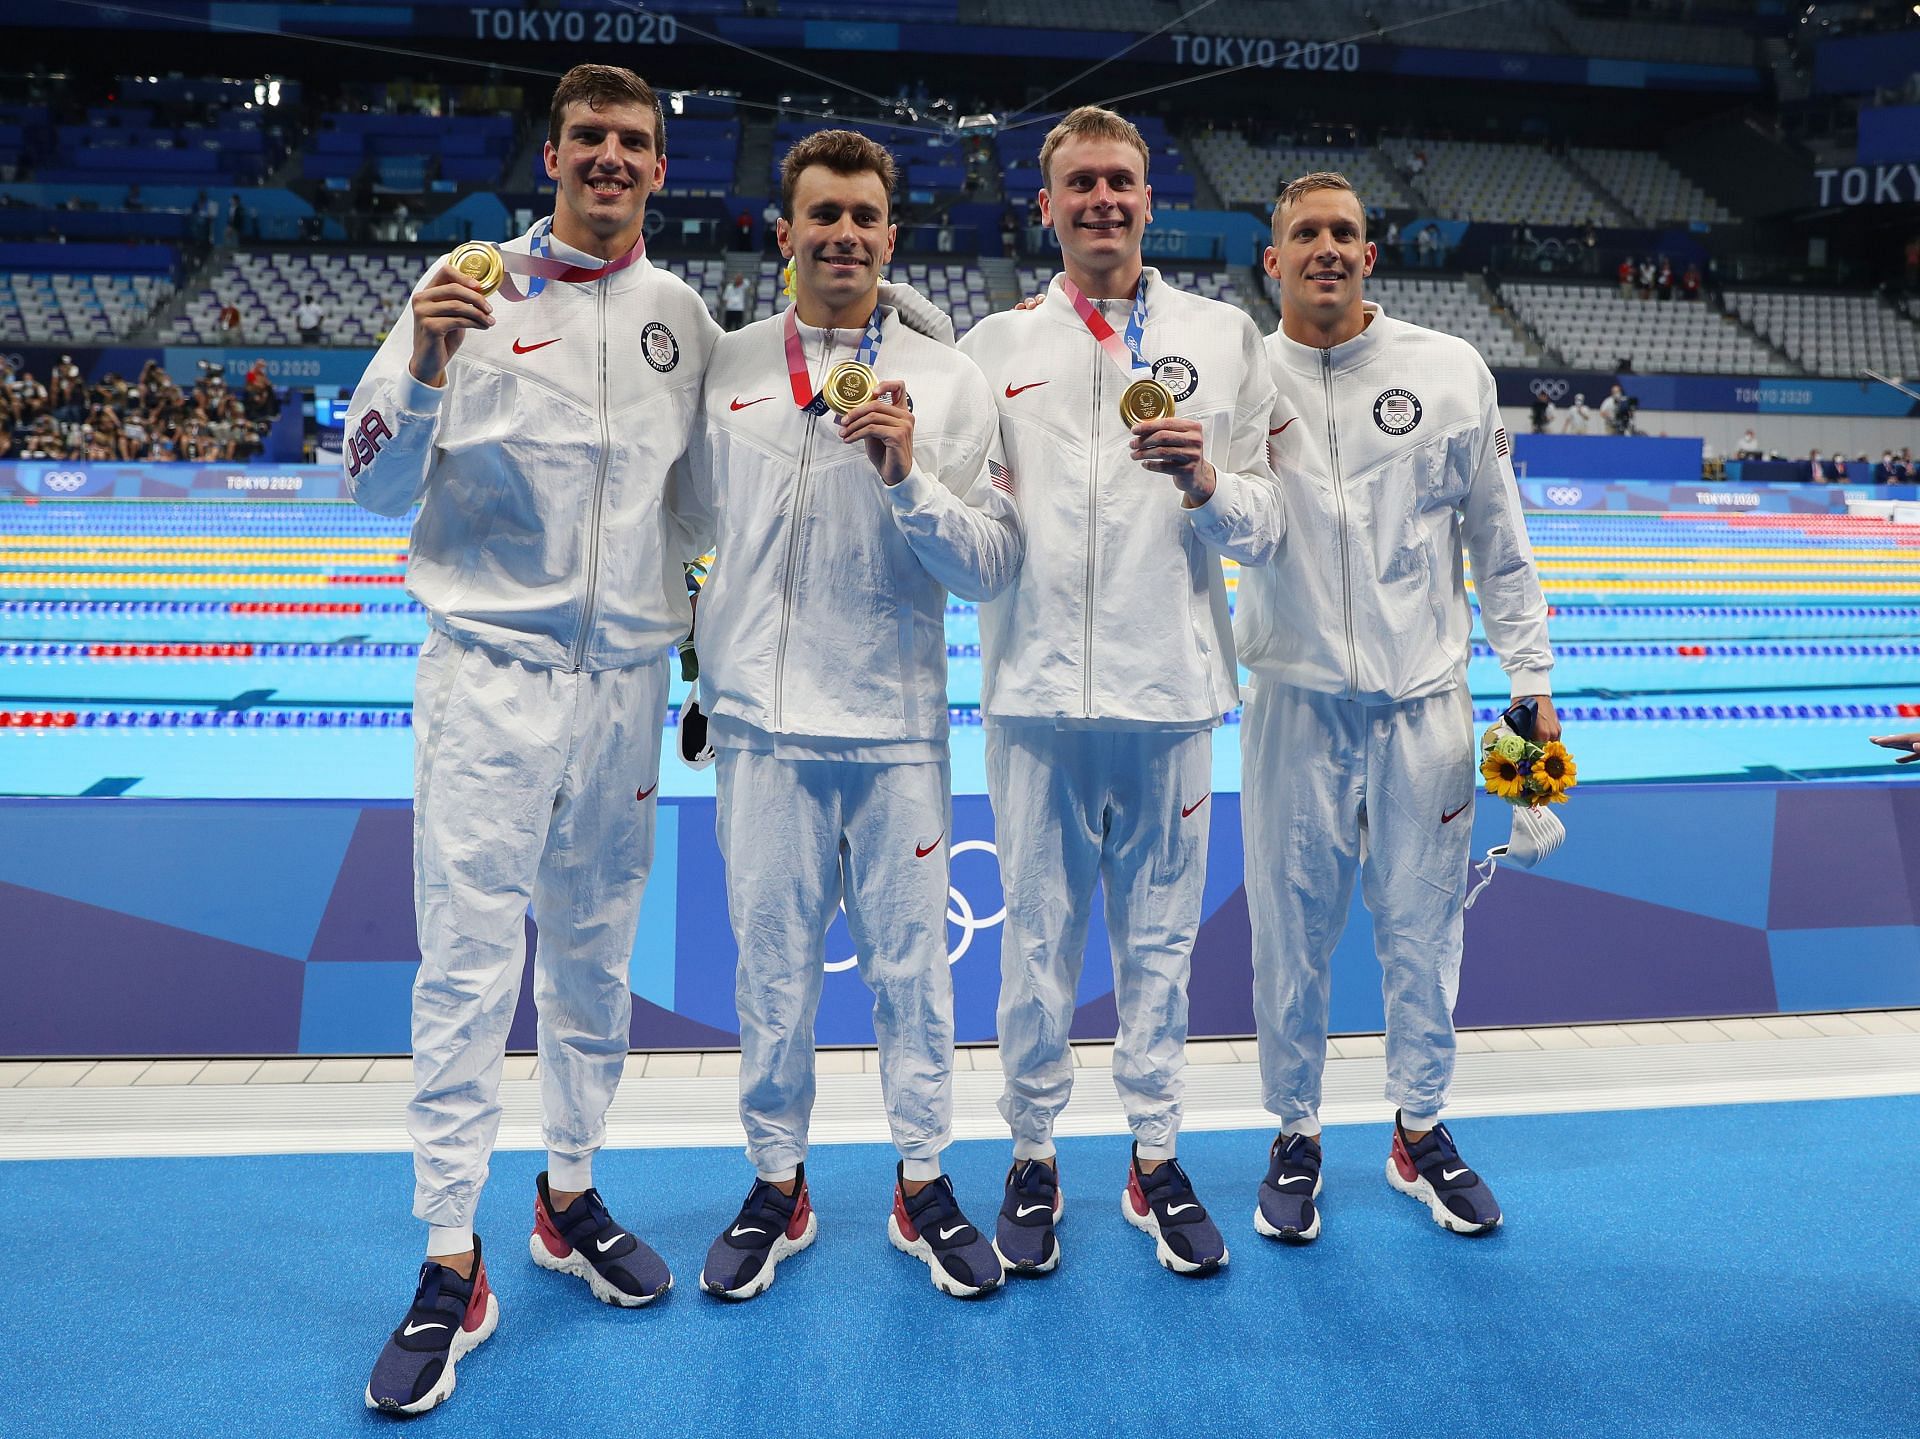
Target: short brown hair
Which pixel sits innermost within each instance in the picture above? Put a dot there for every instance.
(598, 85)
(845, 152)
(1090, 122)
(1299, 189)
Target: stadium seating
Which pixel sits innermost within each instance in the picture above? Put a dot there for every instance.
(81, 309)
(1833, 335)
(1592, 327)
(1247, 174)
(956, 286)
(1650, 187)
(1506, 184)
(406, 151)
(1455, 307)
(1214, 284)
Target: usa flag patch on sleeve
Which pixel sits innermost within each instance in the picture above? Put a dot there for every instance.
(1001, 476)
(1500, 441)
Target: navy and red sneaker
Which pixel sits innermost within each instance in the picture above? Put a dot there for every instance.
(769, 1227)
(1286, 1209)
(1164, 1205)
(583, 1240)
(1023, 1235)
(1433, 1172)
(449, 1317)
(930, 1227)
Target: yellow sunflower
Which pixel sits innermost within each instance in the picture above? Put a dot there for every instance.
(1503, 777)
(1555, 772)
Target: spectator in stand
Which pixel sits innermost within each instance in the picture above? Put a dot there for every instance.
(1625, 273)
(1816, 471)
(307, 320)
(1645, 274)
(1538, 414)
(1838, 468)
(1663, 278)
(1427, 242)
(1009, 234)
(236, 217)
(1899, 469)
(1417, 165)
(733, 302)
(230, 320)
(1578, 417)
(769, 223)
(1690, 282)
(1749, 447)
(743, 233)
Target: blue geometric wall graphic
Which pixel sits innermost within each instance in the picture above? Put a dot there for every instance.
(1874, 967)
(255, 874)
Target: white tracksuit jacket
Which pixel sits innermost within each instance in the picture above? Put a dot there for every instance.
(1106, 666)
(822, 631)
(540, 467)
(551, 570)
(1396, 467)
(1119, 614)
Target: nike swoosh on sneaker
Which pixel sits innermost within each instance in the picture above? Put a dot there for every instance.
(1024, 1210)
(1291, 1179)
(740, 1233)
(1450, 818)
(739, 404)
(947, 1234)
(603, 1245)
(1013, 390)
(1449, 1175)
(413, 1329)
(1180, 1209)
(520, 349)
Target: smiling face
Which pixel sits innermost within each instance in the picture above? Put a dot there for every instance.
(1321, 255)
(606, 164)
(839, 240)
(1098, 202)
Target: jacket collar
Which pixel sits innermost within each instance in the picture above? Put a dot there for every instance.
(567, 255)
(1058, 308)
(1306, 359)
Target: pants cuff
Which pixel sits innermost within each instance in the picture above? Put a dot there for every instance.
(920, 1170)
(1156, 1152)
(1025, 1149)
(1411, 1120)
(777, 1176)
(1309, 1126)
(444, 1239)
(569, 1172)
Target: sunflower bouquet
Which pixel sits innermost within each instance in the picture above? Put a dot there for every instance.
(1524, 773)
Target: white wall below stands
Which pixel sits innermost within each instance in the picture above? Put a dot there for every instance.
(1791, 435)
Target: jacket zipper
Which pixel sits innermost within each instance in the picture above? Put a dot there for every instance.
(1093, 536)
(595, 520)
(796, 516)
(1340, 499)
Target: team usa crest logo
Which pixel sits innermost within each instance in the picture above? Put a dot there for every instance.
(1178, 375)
(1397, 411)
(662, 351)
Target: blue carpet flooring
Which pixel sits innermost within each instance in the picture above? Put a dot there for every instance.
(1728, 1271)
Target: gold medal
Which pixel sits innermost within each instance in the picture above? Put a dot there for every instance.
(850, 384)
(480, 262)
(1145, 400)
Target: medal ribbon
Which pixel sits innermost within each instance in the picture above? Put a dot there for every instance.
(543, 268)
(1124, 353)
(797, 376)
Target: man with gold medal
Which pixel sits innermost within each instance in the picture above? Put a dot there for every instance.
(1108, 663)
(848, 476)
(531, 399)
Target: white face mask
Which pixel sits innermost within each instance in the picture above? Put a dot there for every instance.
(1536, 834)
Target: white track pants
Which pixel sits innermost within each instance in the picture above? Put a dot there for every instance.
(1125, 807)
(525, 785)
(799, 837)
(1330, 787)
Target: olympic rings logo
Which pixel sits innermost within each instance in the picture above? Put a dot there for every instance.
(960, 911)
(63, 481)
(1548, 389)
(1564, 494)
